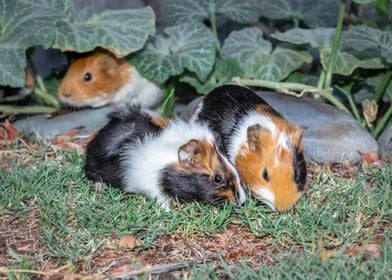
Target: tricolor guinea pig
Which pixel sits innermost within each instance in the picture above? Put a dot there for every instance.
(162, 159)
(265, 148)
(100, 78)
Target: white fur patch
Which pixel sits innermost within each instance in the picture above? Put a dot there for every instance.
(145, 161)
(241, 196)
(139, 90)
(267, 197)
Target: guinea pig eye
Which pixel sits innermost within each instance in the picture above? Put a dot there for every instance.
(265, 175)
(87, 77)
(217, 179)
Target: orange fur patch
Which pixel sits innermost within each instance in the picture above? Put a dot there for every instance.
(277, 160)
(108, 76)
(161, 122)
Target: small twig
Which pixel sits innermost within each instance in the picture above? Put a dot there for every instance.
(154, 269)
(5, 271)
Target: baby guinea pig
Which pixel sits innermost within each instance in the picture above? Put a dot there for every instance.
(265, 148)
(100, 78)
(162, 159)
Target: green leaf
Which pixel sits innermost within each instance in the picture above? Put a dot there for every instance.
(187, 46)
(363, 2)
(382, 7)
(57, 24)
(346, 63)
(362, 38)
(256, 57)
(121, 31)
(185, 11)
(22, 25)
(321, 39)
(317, 38)
(224, 71)
(376, 81)
(314, 13)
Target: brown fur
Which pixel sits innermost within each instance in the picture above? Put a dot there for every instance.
(204, 159)
(29, 79)
(161, 122)
(262, 150)
(108, 73)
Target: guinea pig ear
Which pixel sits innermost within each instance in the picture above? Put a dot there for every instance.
(108, 63)
(190, 153)
(254, 136)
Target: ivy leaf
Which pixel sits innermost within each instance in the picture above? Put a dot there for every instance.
(224, 71)
(321, 39)
(256, 57)
(57, 24)
(317, 38)
(375, 83)
(187, 46)
(22, 25)
(181, 11)
(121, 31)
(363, 2)
(346, 63)
(314, 13)
(362, 38)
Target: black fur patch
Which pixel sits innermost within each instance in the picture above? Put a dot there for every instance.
(299, 166)
(225, 106)
(105, 152)
(189, 186)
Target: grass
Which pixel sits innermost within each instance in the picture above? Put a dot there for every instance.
(322, 238)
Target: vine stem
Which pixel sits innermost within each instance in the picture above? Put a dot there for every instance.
(335, 46)
(381, 88)
(42, 92)
(382, 123)
(27, 109)
(287, 88)
(350, 98)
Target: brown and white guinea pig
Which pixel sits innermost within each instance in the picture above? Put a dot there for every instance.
(9, 94)
(162, 160)
(265, 148)
(100, 78)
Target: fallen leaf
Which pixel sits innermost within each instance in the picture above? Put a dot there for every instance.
(371, 157)
(129, 242)
(370, 250)
(121, 269)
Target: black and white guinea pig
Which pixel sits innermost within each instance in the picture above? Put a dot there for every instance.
(162, 159)
(265, 148)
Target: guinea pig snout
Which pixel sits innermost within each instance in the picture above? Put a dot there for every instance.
(66, 95)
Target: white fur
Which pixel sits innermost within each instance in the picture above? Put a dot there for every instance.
(241, 194)
(240, 135)
(139, 90)
(145, 161)
(267, 197)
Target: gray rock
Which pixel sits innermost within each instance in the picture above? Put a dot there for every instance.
(44, 127)
(330, 135)
(385, 141)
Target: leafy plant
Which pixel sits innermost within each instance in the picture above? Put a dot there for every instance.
(302, 43)
(284, 45)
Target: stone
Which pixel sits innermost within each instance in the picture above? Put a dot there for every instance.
(44, 127)
(385, 141)
(330, 135)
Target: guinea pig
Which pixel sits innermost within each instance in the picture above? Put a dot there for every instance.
(265, 148)
(162, 159)
(100, 78)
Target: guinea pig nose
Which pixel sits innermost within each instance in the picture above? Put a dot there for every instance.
(66, 94)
